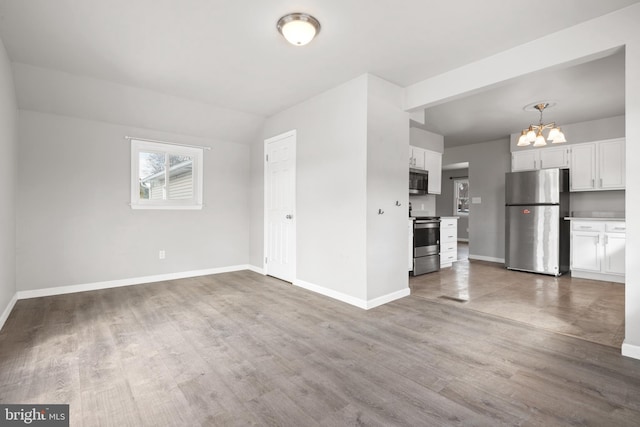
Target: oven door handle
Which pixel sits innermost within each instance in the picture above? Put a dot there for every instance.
(426, 224)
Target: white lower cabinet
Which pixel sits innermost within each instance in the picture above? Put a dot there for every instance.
(448, 241)
(598, 250)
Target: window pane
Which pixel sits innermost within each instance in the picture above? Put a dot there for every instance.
(180, 177)
(464, 205)
(151, 175)
(463, 189)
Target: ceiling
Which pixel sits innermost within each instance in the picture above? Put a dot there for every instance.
(229, 53)
(588, 91)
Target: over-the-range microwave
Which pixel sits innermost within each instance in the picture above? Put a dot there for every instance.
(418, 181)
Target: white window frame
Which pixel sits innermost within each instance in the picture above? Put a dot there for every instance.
(138, 146)
(456, 197)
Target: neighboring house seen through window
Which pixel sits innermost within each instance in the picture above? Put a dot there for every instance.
(461, 196)
(165, 176)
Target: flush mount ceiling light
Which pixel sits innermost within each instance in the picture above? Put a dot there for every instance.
(298, 28)
(534, 132)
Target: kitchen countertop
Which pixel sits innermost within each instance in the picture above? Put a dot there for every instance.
(595, 216)
(584, 218)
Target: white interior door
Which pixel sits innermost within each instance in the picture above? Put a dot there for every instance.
(280, 218)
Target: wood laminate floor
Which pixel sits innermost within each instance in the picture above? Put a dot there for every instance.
(587, 309)
(244, 349)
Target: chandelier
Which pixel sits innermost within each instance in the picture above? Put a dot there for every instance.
(534, 132)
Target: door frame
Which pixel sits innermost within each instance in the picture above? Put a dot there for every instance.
(294, 252)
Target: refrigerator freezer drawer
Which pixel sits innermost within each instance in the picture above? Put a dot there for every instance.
(533, 239)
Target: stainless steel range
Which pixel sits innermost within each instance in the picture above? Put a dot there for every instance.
(426, 245)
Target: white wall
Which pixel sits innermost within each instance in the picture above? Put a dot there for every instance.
(575, 44)
(75, 226)
(8, 171)
(330, 188)
(425, 139)
(488, 162)
(387, 234)
(51, 91)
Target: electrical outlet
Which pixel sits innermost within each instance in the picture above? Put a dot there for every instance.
(162, 254)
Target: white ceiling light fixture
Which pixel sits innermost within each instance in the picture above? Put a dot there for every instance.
(534, 132)
(298, 28)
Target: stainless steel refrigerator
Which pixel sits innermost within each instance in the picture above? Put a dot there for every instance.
(537, 236)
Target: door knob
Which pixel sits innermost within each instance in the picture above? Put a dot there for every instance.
(289, 216)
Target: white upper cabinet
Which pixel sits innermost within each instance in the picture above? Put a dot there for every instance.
(583, 167)
(433, 163)
(524, 160)
(554, 157)
(416, 157)
(598, 166)
(611, 159)
(540, 158)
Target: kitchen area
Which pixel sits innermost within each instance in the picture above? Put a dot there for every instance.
(585, 297)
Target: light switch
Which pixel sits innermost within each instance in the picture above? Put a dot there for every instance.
(476, 200)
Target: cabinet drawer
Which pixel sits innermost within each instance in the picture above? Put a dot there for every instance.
(587, 225)
(448, 235)
(448, 257)
(615, 227)
(448, 247)
(448, 223)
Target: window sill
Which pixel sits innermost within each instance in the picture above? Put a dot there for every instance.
(168, 207)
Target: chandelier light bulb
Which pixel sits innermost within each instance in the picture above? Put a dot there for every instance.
(531, 134)
(553, 133)
(559, 137)
(540, 140)
(523, 141)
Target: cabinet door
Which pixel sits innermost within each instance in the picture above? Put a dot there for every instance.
(614, 244)
(524, 160)
(611, 157)
(411, 161)
(417, 154)
(583, 167)
(585, 251)
(433, 163)
(554, 158)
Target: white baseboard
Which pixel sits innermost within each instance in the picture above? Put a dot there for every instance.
(486, 258)
(358, 302)
(255, 269)
(7, 310)
(372, 303)
(630, 350)
(462, 239)
(597, 276)
(60, 290)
